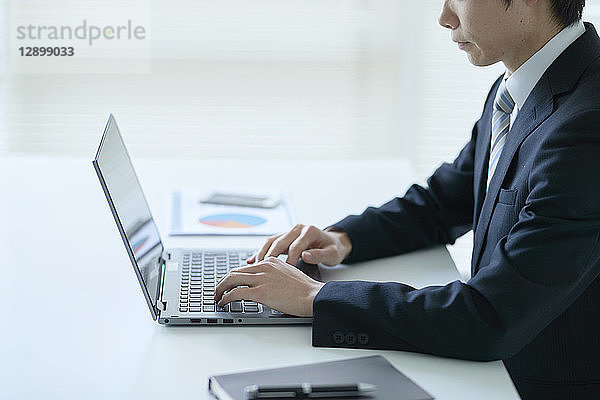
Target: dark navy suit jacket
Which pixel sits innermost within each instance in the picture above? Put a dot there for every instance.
(534, 297)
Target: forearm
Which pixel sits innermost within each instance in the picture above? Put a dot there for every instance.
(526, 285)
(444, 321)
(424, 217)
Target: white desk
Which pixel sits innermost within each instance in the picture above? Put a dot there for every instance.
(74, 322)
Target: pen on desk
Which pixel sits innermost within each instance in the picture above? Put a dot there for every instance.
(308, 391)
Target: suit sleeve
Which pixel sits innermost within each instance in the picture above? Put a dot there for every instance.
(549, 257)
(425, 216)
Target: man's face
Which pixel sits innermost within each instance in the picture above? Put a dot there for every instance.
(486, 30)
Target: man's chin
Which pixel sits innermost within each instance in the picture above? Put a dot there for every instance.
(480, 62)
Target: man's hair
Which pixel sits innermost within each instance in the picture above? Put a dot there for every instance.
(566, 12)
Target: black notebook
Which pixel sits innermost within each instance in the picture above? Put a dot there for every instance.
(391, 383)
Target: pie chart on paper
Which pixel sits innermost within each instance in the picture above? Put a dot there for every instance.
(235, 221)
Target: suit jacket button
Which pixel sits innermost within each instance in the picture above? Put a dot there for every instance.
(363, 338)
(351, 338)
(338, 337)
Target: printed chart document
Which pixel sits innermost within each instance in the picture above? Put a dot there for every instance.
(191, 214)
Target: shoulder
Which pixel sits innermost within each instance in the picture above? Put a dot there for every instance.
(574, 125)
(565, 167)
(583, 96)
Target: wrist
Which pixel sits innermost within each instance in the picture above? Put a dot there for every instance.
(313, 295)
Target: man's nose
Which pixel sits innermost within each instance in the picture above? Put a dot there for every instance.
(448, 18)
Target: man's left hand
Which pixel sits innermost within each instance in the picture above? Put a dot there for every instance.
(273, 283)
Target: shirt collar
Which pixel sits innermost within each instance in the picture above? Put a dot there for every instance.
(523, 80)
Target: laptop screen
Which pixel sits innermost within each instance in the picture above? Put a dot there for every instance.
(130, 209)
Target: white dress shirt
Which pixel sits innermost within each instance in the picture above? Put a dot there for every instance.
(523, 80)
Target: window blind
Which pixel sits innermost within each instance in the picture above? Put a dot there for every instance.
(331, 78)
(232, 78)
(3, 74)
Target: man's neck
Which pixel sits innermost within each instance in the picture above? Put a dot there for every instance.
(531, 44)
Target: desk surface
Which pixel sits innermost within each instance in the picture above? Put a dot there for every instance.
(75, 324)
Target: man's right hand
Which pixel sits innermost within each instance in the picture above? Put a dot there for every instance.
(309, 242)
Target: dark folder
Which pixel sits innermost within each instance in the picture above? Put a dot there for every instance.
(391, 383)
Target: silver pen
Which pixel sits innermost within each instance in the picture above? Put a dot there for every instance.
(308, 391)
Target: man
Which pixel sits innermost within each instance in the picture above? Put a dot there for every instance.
(527, 183)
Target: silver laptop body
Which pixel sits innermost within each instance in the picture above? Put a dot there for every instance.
(178, 284)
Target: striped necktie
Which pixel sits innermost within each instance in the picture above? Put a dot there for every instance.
(503, 107)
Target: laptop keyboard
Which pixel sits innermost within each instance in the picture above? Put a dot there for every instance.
(200, 274)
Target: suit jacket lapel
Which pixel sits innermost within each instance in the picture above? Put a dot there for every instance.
(482, 155)
(536, 109)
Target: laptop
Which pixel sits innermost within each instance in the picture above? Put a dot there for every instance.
(178, 284)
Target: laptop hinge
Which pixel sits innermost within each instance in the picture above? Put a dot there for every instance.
(160, 304)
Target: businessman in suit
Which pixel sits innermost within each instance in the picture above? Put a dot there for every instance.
(527, 183)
